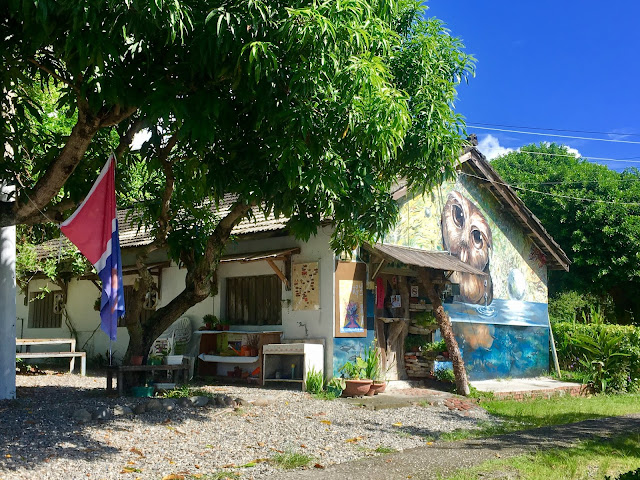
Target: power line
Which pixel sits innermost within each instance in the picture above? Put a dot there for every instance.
(612, 140)
(559, 129)
(628, 160)
(568, 197)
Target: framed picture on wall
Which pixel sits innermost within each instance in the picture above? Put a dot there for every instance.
(351, 315)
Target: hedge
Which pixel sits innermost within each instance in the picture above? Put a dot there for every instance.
(568, 352)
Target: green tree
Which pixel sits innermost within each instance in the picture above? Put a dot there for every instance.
(306, 109)
(592, 211)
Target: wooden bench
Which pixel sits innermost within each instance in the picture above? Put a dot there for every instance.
(143, 370)
(72, 354)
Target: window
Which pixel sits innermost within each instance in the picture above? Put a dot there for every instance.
(254, 300)
(128, 298)
(42, 313)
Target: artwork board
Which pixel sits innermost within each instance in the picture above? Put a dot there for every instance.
(351, 319)
(306, 286)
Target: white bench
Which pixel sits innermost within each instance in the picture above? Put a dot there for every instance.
(72, 354)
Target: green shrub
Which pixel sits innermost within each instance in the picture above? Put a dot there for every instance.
(445, 375)
(354, 370)
(632, 475)
(315, 381)
(574, 306)
(570, 344)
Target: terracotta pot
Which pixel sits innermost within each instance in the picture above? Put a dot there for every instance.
(356, 388)
(136, 359)
(377, 388)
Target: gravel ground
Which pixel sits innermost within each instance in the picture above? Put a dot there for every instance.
(39, 439)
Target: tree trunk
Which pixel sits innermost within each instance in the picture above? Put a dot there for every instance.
(200, 282)
(462, 384)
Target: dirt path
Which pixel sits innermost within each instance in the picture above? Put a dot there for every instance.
(425, 462)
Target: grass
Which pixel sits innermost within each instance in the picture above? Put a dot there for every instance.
(290, 460)
(588, 460)
(325, 395)
(216, 476)
(383, 449)
(186, 391)
(534, 413)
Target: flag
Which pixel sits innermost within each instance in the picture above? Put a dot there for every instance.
(93, 228)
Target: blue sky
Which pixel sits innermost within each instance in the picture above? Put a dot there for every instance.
(563, 64)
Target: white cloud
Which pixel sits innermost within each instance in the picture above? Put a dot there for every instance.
(574, 151)
(491, 148)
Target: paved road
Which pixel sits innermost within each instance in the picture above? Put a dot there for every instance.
(424, 463)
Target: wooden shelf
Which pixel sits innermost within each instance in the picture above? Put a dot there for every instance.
(417, 307)
(393, 319)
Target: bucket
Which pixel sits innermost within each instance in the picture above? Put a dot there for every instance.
(174, 359)
(142, 391)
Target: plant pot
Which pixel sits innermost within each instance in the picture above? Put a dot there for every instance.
(154, 361)
(136, 359)
(225, 328)
(377, 388)
(356, 388)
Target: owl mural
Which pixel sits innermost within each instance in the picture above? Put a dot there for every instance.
(466, 235)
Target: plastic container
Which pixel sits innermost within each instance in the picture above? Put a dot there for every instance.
(174, 359)
(142, 391)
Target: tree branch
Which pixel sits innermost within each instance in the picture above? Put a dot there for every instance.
(167, 166)
(54, 74)
(127, 138)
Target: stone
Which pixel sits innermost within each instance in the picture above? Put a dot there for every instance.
(169, 404)
(101, 413)
(184, 402)
(140, 408)
(154, 405)
(241, 402)
(199, 401)
(228, 401)
(261, 402)
(218, 401)
(81, 416)
(119, 410)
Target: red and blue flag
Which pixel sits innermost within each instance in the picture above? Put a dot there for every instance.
(93, 228)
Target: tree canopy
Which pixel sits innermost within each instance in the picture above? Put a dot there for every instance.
(307, 109)
(593, 212)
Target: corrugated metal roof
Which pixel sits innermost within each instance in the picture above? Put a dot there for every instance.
(417, 257)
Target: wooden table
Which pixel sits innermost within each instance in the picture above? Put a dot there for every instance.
(72, 354)
(142, 370)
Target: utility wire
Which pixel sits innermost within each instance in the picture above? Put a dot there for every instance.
(628, 160)
(612, 140)
(559, 129)
(568, 197)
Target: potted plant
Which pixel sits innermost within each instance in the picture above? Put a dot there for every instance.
(355, 385)
(224, 324)
(373, 370)
(413, 343)
(210, 321)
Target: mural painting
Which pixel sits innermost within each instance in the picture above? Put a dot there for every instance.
(500, 319)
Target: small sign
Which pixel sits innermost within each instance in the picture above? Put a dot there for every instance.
(414, 291)
(396, 301)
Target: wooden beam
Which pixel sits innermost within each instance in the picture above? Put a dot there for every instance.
(280, 275)
(378, 269)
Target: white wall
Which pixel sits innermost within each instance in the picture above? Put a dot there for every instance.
(82, 295)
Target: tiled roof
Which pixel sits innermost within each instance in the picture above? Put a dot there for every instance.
(133, 236)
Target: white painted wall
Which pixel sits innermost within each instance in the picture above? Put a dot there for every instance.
(82, 295)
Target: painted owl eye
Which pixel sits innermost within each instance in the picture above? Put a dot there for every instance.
(476, 236)
(458, 215)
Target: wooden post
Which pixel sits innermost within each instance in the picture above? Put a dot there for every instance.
(462, 384)
(553, 351)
